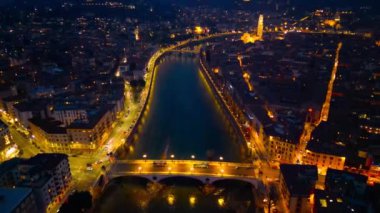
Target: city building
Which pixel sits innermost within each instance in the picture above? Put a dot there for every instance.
(260, 27)
(81, 135)
(324, 156)
(6, 90)
(8, 105)
(14, 200)
(50, 134)
(325, 201)
(48, 175)
(343, 192)
(90, 135)
(69, 113)
(42, 185)
(348, 184)
(7, 148)
(29, 109)
(252, 38)
(297, 184)
(281, 144)
(4, 135)
(370, 124)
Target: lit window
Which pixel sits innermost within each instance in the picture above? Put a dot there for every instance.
(323, 203)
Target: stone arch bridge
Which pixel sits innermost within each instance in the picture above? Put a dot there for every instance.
(207, 172)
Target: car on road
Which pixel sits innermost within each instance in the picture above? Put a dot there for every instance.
(201, 165)
(99, 162)
(89, 167)
(159, 164)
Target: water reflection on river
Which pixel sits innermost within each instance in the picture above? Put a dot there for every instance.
(176, 194)
(184, 117)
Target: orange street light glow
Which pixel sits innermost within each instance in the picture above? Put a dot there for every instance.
(198, 30)
(221, 202)
(171, 199)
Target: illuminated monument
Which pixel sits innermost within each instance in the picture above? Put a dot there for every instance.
(251, 38)
(260, 27)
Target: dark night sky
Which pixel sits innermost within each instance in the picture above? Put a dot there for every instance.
(221, 2)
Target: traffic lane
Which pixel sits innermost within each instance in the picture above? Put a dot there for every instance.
(28, 149)
(270, 172)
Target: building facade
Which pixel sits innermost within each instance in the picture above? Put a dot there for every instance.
(68, 114)
(48, 175)
(7, 148)
(297, 184)
(324, 161)
(281, 149)
(81, 135)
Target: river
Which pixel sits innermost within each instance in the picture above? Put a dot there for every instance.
(184, 118)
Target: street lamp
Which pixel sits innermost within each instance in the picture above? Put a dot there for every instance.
(221, 202)
(144, 156)
(172, 157)
(192, 156)
(249, 148)
(140, 169)
(221, 159)
(192, 200)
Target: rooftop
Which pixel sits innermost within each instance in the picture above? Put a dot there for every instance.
(334, 176)
(62, 107)
(50, 126)
(10, 198)
(329, 202)
(326, 148)
(289, 135)
(47, 160)
(38, 180)
(93, 119)
(8, 165)
(299, 179)
(35, 105)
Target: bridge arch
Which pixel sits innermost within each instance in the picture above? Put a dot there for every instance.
(189, 179)
(233, 180)
(132, 178)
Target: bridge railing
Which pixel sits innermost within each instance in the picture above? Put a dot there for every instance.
(184, 168)
(190, 174)
(151, 161)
